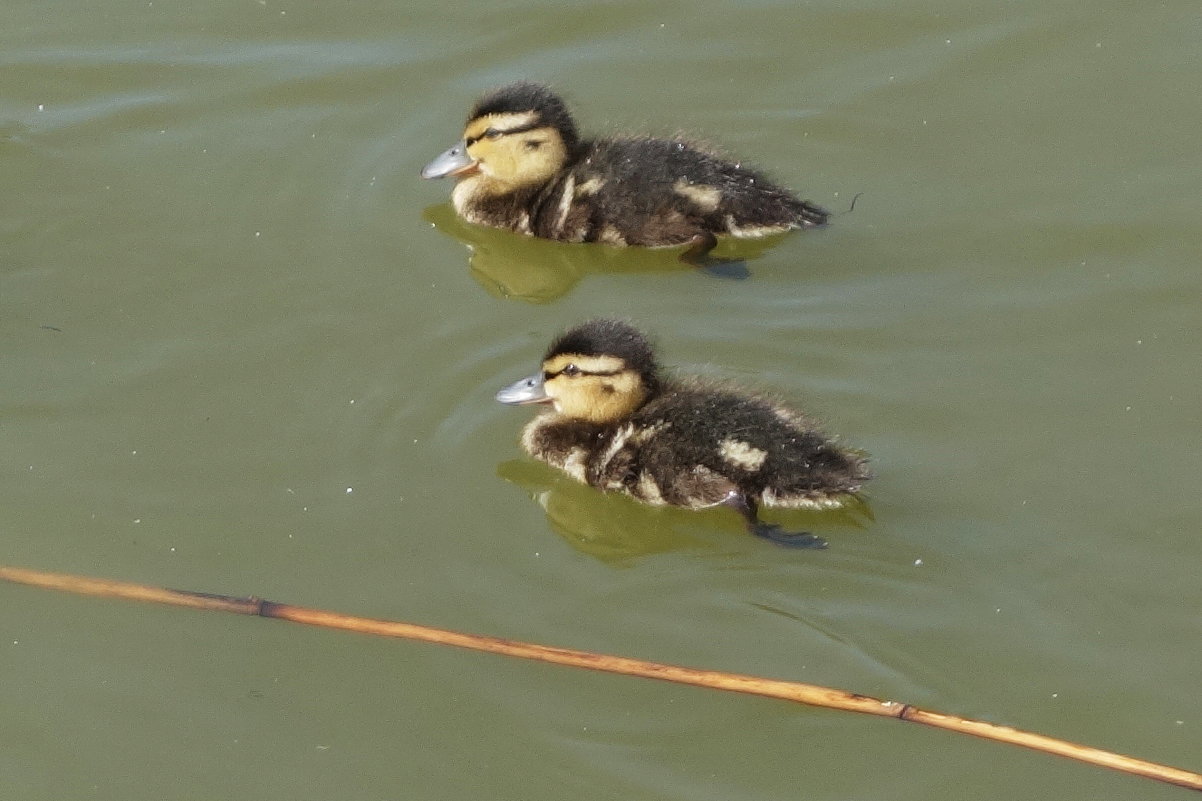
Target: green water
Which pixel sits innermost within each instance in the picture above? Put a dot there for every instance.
(247, 350)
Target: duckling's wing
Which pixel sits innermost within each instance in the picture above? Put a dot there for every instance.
(658, 180)
(758, 446)
(681, 441)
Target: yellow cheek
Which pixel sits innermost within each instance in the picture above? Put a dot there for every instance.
(508, 163)
(495, 160)
(570, 399)
(596, 400)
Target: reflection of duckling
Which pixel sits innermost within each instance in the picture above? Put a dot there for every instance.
(521, 166)
(619, 425)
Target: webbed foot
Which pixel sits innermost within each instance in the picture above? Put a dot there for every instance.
(729, 270)
(770, 531)
(791, 539)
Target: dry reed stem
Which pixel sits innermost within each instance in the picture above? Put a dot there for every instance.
(809, 694)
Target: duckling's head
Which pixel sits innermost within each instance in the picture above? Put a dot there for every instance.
(516, 137)
(600, 371)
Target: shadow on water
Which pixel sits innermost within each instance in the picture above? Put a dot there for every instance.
(514, 266)
(619, 530)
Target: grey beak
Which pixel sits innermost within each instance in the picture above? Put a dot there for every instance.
(528, 390)
(449, 163)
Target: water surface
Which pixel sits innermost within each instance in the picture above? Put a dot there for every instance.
(246, 350)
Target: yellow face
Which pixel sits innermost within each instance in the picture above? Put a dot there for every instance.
(511, 151)
(599, 389)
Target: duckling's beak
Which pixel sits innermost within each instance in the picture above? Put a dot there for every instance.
(528, 390)
(455, 161)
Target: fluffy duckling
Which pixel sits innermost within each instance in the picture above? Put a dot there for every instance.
(618, 424)
(521, 165)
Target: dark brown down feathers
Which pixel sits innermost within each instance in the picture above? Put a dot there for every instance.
(690, 443)
(693, 444)
(624, 191)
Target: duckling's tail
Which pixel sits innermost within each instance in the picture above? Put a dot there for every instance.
(809, 215)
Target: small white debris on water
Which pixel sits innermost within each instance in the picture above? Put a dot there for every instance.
(137, 520)
(918, 563)
(349, 490)
(258, 234)
(1055, 695)
(41, 106)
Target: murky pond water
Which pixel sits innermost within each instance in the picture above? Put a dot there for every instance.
(247, 350)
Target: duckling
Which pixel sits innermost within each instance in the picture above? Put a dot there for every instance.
(619, 424)
(521, 165)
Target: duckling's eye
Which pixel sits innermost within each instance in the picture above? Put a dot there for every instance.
(571, 370)
(492, 133)
(535, 145)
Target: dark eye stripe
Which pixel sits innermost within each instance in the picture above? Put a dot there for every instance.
(506, 132)
(548, 375)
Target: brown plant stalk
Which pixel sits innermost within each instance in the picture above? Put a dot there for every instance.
(810, 694)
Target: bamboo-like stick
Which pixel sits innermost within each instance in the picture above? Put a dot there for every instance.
(810, 694)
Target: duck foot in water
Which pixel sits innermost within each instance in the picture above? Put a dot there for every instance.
(698, 255)
(770, 531)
